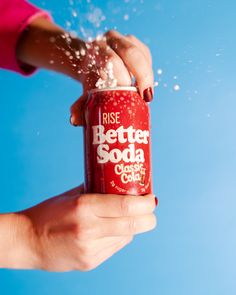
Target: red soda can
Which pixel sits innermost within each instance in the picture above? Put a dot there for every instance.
(117, 142)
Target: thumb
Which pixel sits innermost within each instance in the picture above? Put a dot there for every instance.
(75, 191)
(76, 110)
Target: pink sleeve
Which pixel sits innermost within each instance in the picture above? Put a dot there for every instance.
(15, 15)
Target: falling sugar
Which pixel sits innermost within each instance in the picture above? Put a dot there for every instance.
(159, 72)
(110, 81)
(156, 84)
(176, 87)
(82, 52)
(74, 13)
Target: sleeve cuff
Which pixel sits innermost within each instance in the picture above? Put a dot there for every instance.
(24, 68)
(15, 17)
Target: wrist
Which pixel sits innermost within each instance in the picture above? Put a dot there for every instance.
(44, 44)
(19, 248)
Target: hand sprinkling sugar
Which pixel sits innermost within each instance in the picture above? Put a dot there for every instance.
(107, 61)
(176, 87)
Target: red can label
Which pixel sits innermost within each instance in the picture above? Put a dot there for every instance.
(117, 142)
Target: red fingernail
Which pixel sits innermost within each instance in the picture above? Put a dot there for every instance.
(147, 94)
(156, 201)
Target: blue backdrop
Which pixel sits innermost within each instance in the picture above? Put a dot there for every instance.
(193, 249)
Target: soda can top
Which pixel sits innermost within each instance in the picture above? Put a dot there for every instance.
(124, 88)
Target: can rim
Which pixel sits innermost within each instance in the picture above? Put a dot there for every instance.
(128, 88)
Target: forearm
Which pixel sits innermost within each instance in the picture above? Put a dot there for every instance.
(46, 45)
(18, 246)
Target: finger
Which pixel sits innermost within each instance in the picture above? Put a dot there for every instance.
(119, 70)
(76, 110)
(93, 247)
(103, 205)
(135, 61)
(108, 55)
(142, 47)
(96, 68)
(124, 226)
(77, 191)
(107, 253)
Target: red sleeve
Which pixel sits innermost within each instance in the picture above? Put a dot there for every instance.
(15, 15)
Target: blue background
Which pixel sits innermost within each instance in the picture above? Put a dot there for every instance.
(193, 249)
